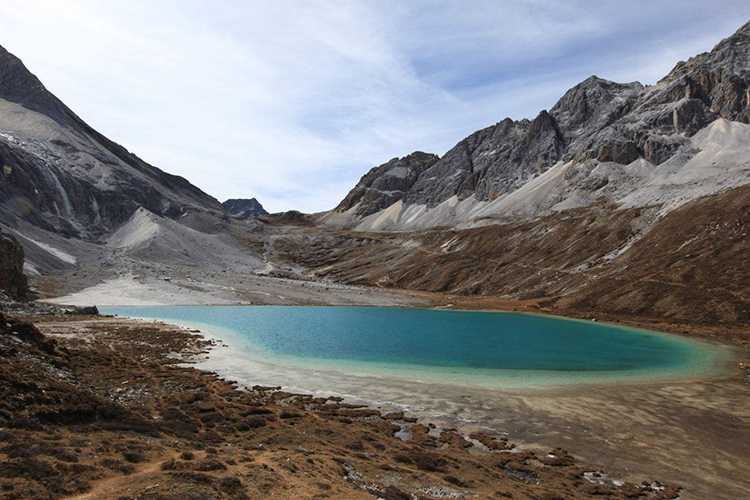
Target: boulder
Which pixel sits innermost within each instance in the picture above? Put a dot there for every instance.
(12, 279)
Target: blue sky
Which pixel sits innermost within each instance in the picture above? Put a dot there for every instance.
(292, 102)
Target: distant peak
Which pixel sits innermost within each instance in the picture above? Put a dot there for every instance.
(594, 78)
(19, 85)
(249, 207)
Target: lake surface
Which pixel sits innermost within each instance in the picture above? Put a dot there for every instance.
(485, 349)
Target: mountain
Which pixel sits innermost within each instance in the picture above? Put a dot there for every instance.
(61, 175)
(243, 206)
(601, 139)
(384, 185)
(86, 209)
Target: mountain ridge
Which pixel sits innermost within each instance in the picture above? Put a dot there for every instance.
(595, 122)
(90, 184)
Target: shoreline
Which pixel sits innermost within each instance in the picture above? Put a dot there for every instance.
(594, 424)
(424, 414)
(633, 433)
(184, 430)
(466, 421)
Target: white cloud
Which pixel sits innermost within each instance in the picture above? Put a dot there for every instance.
(293, 101)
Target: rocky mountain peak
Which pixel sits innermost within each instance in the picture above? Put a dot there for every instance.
(386, 184)
(243, 206)
(593, 103)
(597, 121)
(19, 85)
(63, 176)
(710, 85)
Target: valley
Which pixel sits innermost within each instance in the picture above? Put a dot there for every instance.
(623, 204)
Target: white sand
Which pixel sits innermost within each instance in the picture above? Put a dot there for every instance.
(128, 291)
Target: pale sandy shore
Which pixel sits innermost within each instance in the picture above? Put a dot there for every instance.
(692, 432)
(132, 290)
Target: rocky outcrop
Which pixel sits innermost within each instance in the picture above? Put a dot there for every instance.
(243, 206)
(597, 120)
(59, 174)
(384, 185)
(290, 218)
(12, 279)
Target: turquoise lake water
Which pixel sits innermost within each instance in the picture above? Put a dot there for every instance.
(472, 347)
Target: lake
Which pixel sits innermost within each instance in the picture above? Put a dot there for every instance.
(298, 345)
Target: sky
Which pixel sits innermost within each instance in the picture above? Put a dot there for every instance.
(293, 101)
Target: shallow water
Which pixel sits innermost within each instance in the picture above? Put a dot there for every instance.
(487, 349)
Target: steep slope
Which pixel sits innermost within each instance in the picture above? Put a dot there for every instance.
(242, 206)
(155, 239)
(86, 210)
(61, 175)
(600, 139)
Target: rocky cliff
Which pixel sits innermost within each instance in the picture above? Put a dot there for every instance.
(384, 185)
(243, 206)
(596, 122)
(12, 279)
(61, 175)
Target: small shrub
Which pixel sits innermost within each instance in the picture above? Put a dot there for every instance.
(210, 465)
(255, 422)
(134, 457)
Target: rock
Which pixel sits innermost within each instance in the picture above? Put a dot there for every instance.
(384, 185)
(92, 310)
(12, 279)
(242, 206)
(558, 458)
(490, 442)
(89, 310)
(657, 149)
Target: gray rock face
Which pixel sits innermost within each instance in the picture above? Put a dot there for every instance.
(386, 184)
(595, 120)
(243, 206)
(12, 279)
(63, 176)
